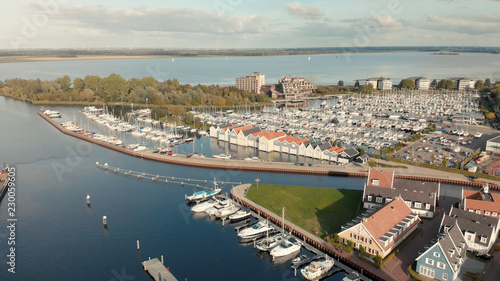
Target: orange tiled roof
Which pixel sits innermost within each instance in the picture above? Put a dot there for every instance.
(237, 130)
(340, 150)
(385, 178)
(474, 200)
(258, 134)
(301, 141)
(387, 217)
(333, 148)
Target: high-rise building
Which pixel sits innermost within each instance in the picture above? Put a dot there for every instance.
(251, 83)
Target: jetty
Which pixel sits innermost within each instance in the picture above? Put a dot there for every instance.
(158, 271)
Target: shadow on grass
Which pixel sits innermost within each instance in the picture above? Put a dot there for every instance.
(332, 217)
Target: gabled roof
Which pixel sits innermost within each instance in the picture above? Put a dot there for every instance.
(387, 218)
(453, 246)
(351, 152)
(227, 129)
(325, 146)
(251, 131)
(259, 133)
(340, 150)
(478, 200)
(380, 178)
(482, 226)
(272, 135)
(333, 149)
(238, 129)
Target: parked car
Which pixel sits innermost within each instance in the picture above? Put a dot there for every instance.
(485, 257)
(472, 177)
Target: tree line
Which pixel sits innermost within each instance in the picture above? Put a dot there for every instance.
(114, 88)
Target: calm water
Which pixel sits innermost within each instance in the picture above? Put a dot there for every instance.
(321, 69)
(59, 238)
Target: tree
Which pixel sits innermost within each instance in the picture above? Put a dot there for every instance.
(487, 82)
(361, 151)
(479, 85)
(446, 84)
(367, 88)
(434, 83)
(189, 119)
(78, 84)
(65, 82)
(408, 84)
(490, 115)
(356, 84)
(340, 83)
(433, 157)
(445, 161)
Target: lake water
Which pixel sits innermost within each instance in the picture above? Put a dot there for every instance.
(59, 238)
(321, 69)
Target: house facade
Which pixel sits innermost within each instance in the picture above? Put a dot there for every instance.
(381, 230)
(480, 231)
(482, 202)
(382, 187)
(443, 260)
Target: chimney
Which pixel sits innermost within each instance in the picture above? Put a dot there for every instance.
(392, 208)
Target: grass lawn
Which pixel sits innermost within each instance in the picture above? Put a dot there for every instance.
(321, 211)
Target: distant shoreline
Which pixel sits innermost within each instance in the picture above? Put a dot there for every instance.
(42, 55)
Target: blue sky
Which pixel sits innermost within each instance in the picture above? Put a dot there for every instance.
(248, 24)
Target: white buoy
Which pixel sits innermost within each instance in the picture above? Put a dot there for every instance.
(162, 259)
(105, 166)
(88, 199)
(138, 246)
(105, 221)
(97, 163)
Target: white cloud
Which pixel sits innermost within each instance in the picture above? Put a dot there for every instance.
(302, 11)
(463, 24)
(163, 19)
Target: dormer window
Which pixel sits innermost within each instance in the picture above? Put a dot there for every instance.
(418, 205)
(379, 199)
(369, 198)
(478, 211)
(375, 182)
(495, 214)
(427, 206)
(487, 213)
(483, 239)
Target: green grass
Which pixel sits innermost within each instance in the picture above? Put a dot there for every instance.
(321, 211)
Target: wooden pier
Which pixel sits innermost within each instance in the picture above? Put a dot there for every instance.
(158, 271)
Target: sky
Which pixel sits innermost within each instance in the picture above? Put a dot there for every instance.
(247, 24)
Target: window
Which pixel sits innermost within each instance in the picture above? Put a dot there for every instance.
(429, 261)
(427, 206)
(353, 235)
(495, 214)
(471, 210)
(487, 213)
(483, 239)
(436, 254)
(426, 271)
(369, 198)
(379, 199)
(441, 265)
(418, 205)
(478, 211)
(375, 252)
(388, 199)
(369, 241)
(445, 276)
(374, 181)
(408, 203)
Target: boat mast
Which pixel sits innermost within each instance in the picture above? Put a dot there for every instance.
(283, 215)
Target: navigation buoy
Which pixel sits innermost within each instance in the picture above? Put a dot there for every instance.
(105, 221)
(88, 199)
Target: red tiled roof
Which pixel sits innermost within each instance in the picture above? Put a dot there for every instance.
(258, 134)
(385, 178)
(387, 217)
(237, 130)
(333, 148)
(340, 150)
(474, 200)
(301, 141)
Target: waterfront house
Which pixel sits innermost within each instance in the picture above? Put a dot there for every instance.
(303, 148)
(443, 260)
(481, 202)
(266, 141)
(216, 131)
(243, 135)
(480, 231)
(348, 155)
(381, 230)
(253, 139)
(233, 134)
(381, 187)
(362, 158)
(310, 148)
(422, 83)
(295, 146)
(318, 151)
(384, 84)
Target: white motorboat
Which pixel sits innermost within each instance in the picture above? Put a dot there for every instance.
(255, 230)
(221, 205)
(316, 269)
(140, 148)
(240, 215)
(201, 207)
(289, 246)
(229, 210)
(251, 158)
(268, 243)
(222, 156)
(197, 195)
(299, 259)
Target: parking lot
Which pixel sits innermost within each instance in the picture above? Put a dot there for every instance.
(436, 147)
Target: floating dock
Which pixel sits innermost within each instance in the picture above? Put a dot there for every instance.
(158, 271)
